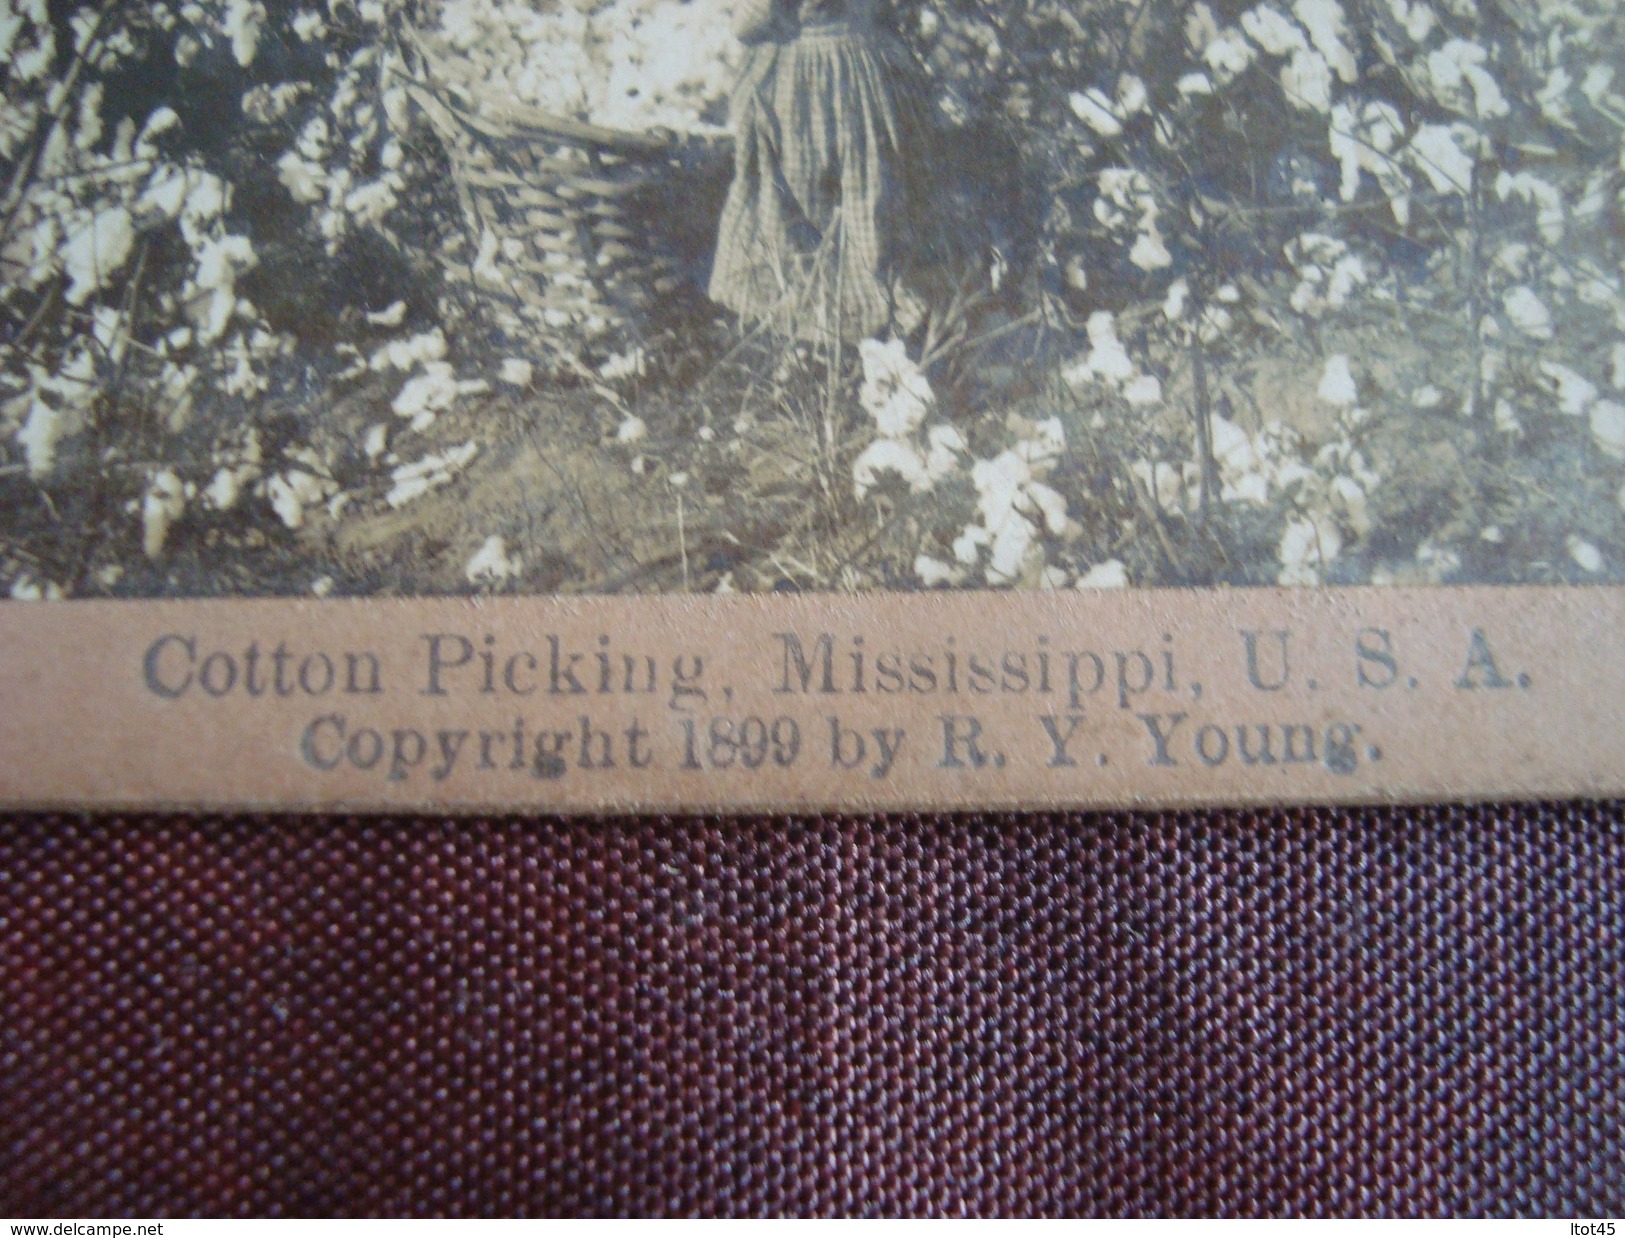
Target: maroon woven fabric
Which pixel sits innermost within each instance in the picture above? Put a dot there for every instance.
(1346, 1012)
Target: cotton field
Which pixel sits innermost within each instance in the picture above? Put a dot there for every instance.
(1290, 293)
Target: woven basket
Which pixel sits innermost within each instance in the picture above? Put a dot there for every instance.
(573, 228)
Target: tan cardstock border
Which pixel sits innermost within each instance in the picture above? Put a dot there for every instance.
(1390, 695)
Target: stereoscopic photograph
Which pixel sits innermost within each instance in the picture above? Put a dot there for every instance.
(427, 297)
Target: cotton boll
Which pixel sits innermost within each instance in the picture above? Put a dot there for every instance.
(491, 564)
(1437, 154)
(1111, 574)
(888, 455)
(1527, 312)
(1575, 392)
(1337, 386)
(1131, 96)
(1270, 29)
(1308, 545)
(1095, 110)
(516, 372)
(1585, 555)
(1608, 427)
(1149, 253)
(96, 251)
(1229, 55)
(1323, 19)
(1143, 390)
(1173, 304)
(894, 391)
(1107, 358)
(934, 572)
(161, 506)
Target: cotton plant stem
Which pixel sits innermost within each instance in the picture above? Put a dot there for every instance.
(682, 540)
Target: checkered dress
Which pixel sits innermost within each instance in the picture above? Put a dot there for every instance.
(826, 117)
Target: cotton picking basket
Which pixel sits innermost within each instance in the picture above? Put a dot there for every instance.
(575, 231)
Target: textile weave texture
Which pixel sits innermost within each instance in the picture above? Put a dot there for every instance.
(1330, 1011)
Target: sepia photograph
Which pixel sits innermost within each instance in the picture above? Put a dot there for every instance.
(427, 297)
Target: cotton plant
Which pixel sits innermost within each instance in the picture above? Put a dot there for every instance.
(897, 397)
(1018, 514)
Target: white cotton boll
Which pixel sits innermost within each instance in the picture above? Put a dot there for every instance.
(1149, 253)
(1229, 55)
(1094, 109)
(1143, 390)
(1308, 545)
(1457, 68)
(422, 398)
(1418, 19)
(1427, 397)
(245, 20)
(26, 589)
(405, 354)
(1506, 418)
(1131, 95)
(1585, 555)
(1232, 448)
(998, 485)
(165, 193)
(376, 440)
(933, 572)
(1528, 312)
(96, 251)
(391, 316)
(967, 546)
(1173, 304)
(894, 391)
(1608, 427)
(516, 372)
(1112, 574)
(1327, 30)
(619, 366)
(44, 428)
(161, 506)
(308, 26)
(888, 455)
(1050, 504)
(1214, 322)
(420, 476)
(1274, 32)
(1248, 488)
(304, 180)
(1616, 367)
(1107, 358)
(161, 121)
(292, 492)
(1574, 391)
(492, 564)
(1195, 84)
(1015, 556)
(1337, 385)
(1436, 153)
(1351, 499)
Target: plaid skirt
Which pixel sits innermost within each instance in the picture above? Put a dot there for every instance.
(828, 132)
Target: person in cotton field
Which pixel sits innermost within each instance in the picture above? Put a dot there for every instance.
(827, 205)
